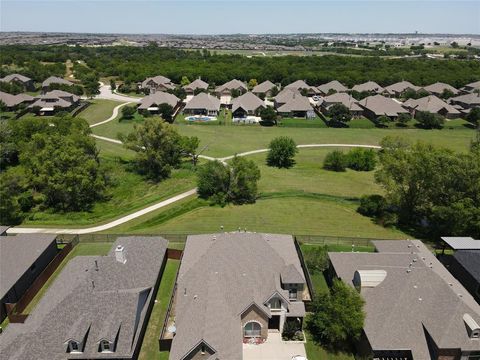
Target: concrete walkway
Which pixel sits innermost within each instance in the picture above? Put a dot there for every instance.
(114, 115)
(273, 349)
(106, 93)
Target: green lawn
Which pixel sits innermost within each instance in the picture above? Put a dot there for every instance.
(149, 348)
(317, 352)
(361, 123)
(99, 110)
(302, 123)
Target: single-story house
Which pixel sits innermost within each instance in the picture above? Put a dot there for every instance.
(472, 87)
(265, 88)
(284, 96)
(234, 288)
(246, 104)
(151, 102)
(22, 258)
(378, 105)
(342, 98)
(399, 88)
(415, 309)
(369, 86)
(157, 83)
(302, 85)
(431, 104)
(197, 84)
(334, 85)
(96, 308)
(13, 101)
(203, 104)
(54, 80)
(26, 82)
(226, 89)
(297, 106)
(438, 88)
(53, 101)
(466, 101)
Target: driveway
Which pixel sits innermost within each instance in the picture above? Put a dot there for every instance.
(106, 93)
(273, 349)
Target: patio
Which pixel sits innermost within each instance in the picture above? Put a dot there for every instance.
(273, 349)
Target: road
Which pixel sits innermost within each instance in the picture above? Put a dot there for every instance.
(106, 93)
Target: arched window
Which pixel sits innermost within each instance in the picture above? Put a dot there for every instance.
(105, 346)
(252, 329)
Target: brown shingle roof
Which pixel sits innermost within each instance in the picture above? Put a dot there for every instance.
(231, 85)
(400, 87)
(248, 102)
(332, 85)
(196, 84)
(158, 98)
(203, 101)
(263, 87)
(439, 87)
(431, 104)
(381, 105)
(368, 86)
(55, 80)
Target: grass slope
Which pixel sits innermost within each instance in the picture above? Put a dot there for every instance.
(99, 110)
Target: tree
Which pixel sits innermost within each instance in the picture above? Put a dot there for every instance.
(244, 177)
(282, 151)
(166, 111)
(113, 85)
(274, 92)
(252, 83)
(268, 115)
(447, 94)
(337, 316)
(128, 112)
(403, 119)
(372, 205)
(158, 146)
(428, 120)
(213, 182)
(316, 258)
(360, 159)
(454, 45)
(12, 184)
(409, 94)
(474, 116)
(382, 121)
(190, 146)
(335, 161)
(236, 93)
(339, 114)
(184, 81)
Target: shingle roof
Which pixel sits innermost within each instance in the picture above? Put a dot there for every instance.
(417, 293)
(14, 100)
(158, 98)
(55, 80)
(263, 87)
(111, 301)
(472, 99)
(470, 260)
(342, 98)
(203, 101)
(368, 86)
(159, 79)
(248, 102)
(17, 255)
(196, 84)
(220, 277)
(16, 77)
(381, 105)
(286, 95)
(400, 87)
(439, 87)
(230, 85)
(55, 98)
(431, 104)
(332, 85)
(473, 85)
(296, 103)
(300, 85)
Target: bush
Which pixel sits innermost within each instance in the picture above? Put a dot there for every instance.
(268, 115)
(372, 205)
(474, 116)
(403, 119)
(361, 159)
(282, 152)
(316, 258)
(339, 115)
(292, 330)
(428, 120)
(335, 161)
(128, 112)
(382, 121)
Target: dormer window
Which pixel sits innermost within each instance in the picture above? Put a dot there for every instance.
(105, 346)
(73, 347)
(275, 304)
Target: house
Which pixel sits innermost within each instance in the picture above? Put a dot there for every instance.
(194, 86)
(226, 89)
(301, 85)
(332, 86)
(472, 87)
(342, 98)
(22, 258)
(24, 81)
(297, 106)
(97, 307)
(203, 104)
(53, 101)
(284, 96)
(369, 86)
(157, 83)
(232, 288)
(13, 101)
(438, 88)
(399, 88)
(432, 104)
(54, 80)
(264, 89)
(247, 104)
(467, 101)
(415, 309)
(151, 102)
(378, 105)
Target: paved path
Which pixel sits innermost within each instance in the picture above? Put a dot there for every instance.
(106, 93)
(113, 117)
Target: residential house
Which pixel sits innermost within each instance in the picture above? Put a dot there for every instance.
(438, 88)
(54, 80)
(152, 102)
(157, 83)
(97, 307)
(13, 101)
(302, 86)
(225, 91)
(342, 98)
(22, 258)
(264, 89)
(284, 96)
(53, 101)
(24, 81)
(247, 104)
(415, 309)
(194, 86)
(399, 88)
(332, 86)
(472, 87)
(467, 101)
(378, 105)
(297, 106)
(369, 86)
(431, 104)
(234, 288)
(203, 104)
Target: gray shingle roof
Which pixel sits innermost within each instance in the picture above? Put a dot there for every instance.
(342, 98)
(222, 275)
(263, 87)
(55, 98)
(286, 95)
(404, 303)
(369, 86)
(203, 101)
(55, 80)
(381, 105)
(439, 87)
(470, 260)
(332, 85)
(196, 84)
(400, 87)
(473, 86)
(300, 85)
(109, 302)
(296, 103)
(248, 102)
(462, 243)
(15, 77)
(231, 85)
(431, 104)
(159, 79)
(14, 100)
(17, 255)
(472, 99)
(158, 98)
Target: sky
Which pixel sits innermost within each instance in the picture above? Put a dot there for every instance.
(241, 16)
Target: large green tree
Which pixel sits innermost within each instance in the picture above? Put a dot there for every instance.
(282, 151)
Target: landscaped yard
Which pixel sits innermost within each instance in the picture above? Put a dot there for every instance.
(98, 110)
(149, 348)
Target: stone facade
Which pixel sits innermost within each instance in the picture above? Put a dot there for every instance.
(254, 314)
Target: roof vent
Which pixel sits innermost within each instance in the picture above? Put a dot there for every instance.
(472, 326)
(120, 255)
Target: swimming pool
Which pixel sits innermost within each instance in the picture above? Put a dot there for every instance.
(200, 118)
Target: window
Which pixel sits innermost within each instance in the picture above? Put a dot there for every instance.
(292, 294)
(105, 346)
(275, 304)
(202, 350)
(252, 329)
(73, 347)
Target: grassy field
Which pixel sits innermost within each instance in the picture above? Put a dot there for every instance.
(149, 348)
(99, 110)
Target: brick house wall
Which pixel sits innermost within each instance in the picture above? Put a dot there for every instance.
(254, 314)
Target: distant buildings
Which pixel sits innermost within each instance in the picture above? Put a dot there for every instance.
(152, 102)
(378, 105)
(53, 101)
(264, 89)
(432, 104)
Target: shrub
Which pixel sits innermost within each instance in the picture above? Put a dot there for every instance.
(128, 112)
(335, 161)
(316, 258)
(372, 205)
(339, 115)
(403, 119)
(361, 159)
(282, 152)
(291, 328)
(428, 120)
(382, 121)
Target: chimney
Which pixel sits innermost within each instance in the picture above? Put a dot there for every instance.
(120, 254)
